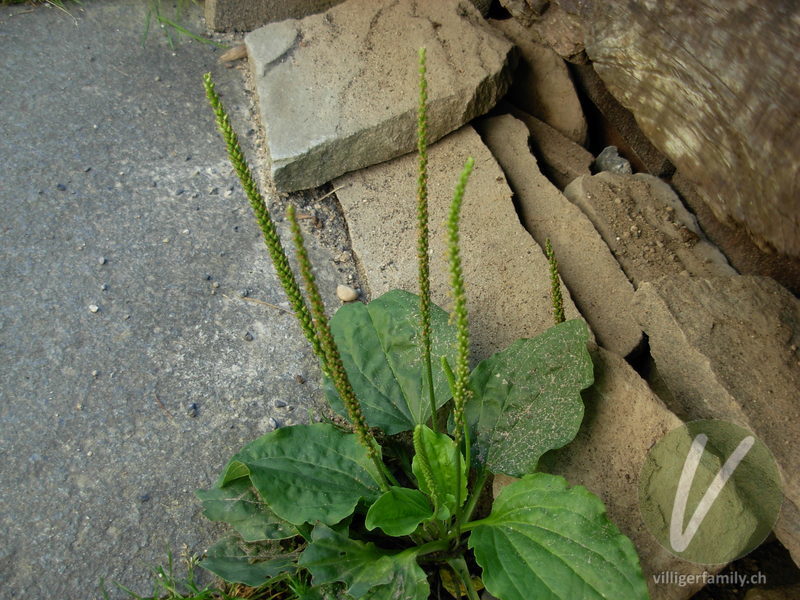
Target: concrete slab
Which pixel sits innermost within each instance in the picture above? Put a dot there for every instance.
(246, 15)
(117, 194)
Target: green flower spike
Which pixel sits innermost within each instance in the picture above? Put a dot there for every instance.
(555, 284)
(271, 238)
(332, 359)
(422, 244)
(461, 387)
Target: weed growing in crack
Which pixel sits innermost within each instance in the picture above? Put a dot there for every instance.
(403, 517)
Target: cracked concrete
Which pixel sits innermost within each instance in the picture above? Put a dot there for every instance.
(132, 369)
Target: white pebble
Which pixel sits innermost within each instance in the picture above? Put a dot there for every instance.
(346, 293)
(93, 308)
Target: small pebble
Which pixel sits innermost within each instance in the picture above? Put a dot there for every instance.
(280, 404)
(93, 308)
(273, 424)
(104, 287)
(102, 260)
(248, 337)
(61, 187)
(193, 409)
(95, 373)
(346, 293)
(144, 497)
(215, 285)
(244, 293)
(165, 241)
(299, 379)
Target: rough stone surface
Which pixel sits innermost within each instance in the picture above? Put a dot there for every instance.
(338, 91)
(617, 126)
(610, 160)
(646, 226)
(560, 159)
(246, 15)
(555, 28)
(542, 85)
(598, 286)
(736, 243)
(708, 86)
(727, 349)
(623, 420)
(782, 593)
(525, 11)
(506, 273)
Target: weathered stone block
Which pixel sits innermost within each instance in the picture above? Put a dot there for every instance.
(595, 280)
(507, 276)
(542, 85)
(560, 159)
(732, 238)
(646, 226)
(709, 87)
(338, 91)
(726, 347)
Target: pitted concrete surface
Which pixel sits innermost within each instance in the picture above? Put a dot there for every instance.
(131, 370)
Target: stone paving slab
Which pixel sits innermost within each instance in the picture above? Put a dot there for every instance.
(338, 91)
(116, 193)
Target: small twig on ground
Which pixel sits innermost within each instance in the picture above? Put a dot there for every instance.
(164, 408)
(257, 301)
(331, 193)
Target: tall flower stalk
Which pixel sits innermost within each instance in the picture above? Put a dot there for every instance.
(460, 379)
(422, 243)
(332, 358)
(313, 321)
(271, 237)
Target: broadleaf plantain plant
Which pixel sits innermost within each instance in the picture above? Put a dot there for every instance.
(382, 514)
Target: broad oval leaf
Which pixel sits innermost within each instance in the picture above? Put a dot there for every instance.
(399, 511)
(380, 347)
(526, 399)
(250, 564)
(547, 541)
(239, 505)
(442, 453)
(307, 473)
(368, 571)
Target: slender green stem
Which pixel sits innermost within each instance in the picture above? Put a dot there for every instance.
(477, 490)
(423, 243)
(459, 566)
(461, 389)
